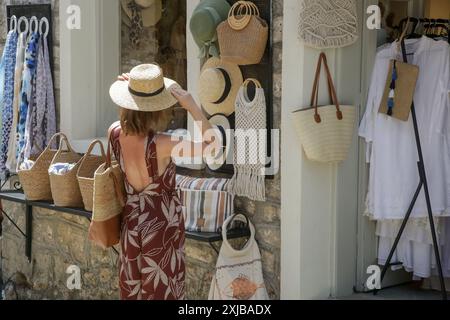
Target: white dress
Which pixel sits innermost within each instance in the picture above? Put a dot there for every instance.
(393, 158)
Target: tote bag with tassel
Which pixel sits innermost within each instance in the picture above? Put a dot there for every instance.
(325, 132)
(108, 203)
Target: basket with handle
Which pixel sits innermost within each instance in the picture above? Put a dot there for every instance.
(65, 189)
(243, 37)
(109, 200)
(325, 132)
(85, 175)
(35, 181)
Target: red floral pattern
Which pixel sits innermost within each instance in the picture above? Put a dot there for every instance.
(152, 260)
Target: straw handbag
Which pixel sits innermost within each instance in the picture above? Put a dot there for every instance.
(65, 189)
(109, 200)
(36, 181)
(86, 171)
(243, 37)
(325, 132)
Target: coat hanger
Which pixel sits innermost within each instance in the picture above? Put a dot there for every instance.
(13, 24)
(19, 25)
(44, 21)
(34, 22)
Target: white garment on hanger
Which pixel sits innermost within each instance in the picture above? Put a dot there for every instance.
(392, 151)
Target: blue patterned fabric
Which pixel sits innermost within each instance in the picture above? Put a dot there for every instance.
(9, 66)
(29, 73)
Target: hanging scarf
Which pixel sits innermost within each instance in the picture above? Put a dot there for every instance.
(41, 119)
(25, 94)
(9, 63)
(249, 178)
(137, 25)
(11, 163)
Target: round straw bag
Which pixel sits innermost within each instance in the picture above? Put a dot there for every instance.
(65, 189)
(326, 132)
(89, 164)
(35, 181)
(243, 37)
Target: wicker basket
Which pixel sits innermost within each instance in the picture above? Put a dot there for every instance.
(35, 181)
(86, 171)
(243, 37)
(65, 189)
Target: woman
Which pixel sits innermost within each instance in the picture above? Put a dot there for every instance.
(152, 238)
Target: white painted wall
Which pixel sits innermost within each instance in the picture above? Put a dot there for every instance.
(319, 203)
(90, 62)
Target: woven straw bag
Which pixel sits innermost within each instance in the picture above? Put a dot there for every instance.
(325, 132)
(243, 37)
(109, 200)
(65, 189)
(86, 171)
(35, 181)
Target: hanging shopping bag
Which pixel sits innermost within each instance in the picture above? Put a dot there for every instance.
(108, 203)
(239, 273)
(325, 132)
(243, 37)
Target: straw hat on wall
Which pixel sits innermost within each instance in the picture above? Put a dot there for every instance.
(218, 86)
(151, 11)
(147, 90)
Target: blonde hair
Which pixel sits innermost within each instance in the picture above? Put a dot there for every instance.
(141, 123)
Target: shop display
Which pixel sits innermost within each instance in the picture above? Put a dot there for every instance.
(64, 186)
(35, 181)
(108, 202)
(326, 24)
(221, 123)
(239, 273)
(206, 202)
(41, 117)
(148, 11)
(325, 132)
(243, 36)
(218, 86)
(11, 159)
(249, 171)
(86, 171)
(203, 25)
(393, 155)
(7, 71)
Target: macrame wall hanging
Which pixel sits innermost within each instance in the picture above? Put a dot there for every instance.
(326, 24)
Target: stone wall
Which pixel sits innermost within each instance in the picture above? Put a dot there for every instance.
(60, 240)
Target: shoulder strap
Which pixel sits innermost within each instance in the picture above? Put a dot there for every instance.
(151, 156)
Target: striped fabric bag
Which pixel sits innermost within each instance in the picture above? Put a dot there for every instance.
(206, 203)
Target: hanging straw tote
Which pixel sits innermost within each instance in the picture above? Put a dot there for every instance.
(86, 171)
(109, 200)
(65, 189)
(325, 132)
(35, 181)
(243, 37)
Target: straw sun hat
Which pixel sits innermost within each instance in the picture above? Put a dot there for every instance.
(218, 86)
(151, 11)
(147, 90)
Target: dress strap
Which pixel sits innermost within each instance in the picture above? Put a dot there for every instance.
(150, 157)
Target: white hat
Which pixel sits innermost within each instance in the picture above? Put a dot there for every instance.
(147, 90)
(218, 86)
(151, 11)
(220, 123)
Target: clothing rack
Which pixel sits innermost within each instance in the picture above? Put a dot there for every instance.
(27, 12)
(430, 25)
(422, 184)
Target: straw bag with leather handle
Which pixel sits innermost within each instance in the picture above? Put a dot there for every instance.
(325, 132)
(36, 181)
(65, 189)
(86, 171)
(109, 200)
(243, 37)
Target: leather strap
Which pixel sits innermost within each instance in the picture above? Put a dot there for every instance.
(331, 89)
(117, 188)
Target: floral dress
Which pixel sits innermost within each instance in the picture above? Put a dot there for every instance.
(152, 265)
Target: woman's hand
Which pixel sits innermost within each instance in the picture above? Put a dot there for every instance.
(185, 99)
(124, 77)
